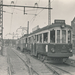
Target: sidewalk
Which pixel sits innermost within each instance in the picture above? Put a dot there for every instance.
(3, 63)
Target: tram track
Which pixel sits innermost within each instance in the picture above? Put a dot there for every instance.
(27, 63)
(10, 66)
(56, 70)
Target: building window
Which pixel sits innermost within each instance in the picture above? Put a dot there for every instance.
(58, 36)
(69, 36)
(52, 36)
(45, 37)
(63, 36)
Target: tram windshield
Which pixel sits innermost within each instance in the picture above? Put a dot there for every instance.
(69, 36)
(52, 36)
(58, 36)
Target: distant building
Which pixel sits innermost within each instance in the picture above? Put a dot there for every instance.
(73, 28)
(11, 42)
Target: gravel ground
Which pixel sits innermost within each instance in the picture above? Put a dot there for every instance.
(16, 64)
(3, 63)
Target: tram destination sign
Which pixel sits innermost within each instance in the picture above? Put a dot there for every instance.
(59, 21)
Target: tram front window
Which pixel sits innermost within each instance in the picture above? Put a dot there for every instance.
(58, 36)
(69, 36)
(52, 36)
(63, 36)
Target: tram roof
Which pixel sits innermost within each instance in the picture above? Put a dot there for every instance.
(49, 27)
(46, 28)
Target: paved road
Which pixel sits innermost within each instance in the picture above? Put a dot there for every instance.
(17, 66)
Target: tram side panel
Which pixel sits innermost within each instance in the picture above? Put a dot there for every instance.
(52, 50)
(60, 50)
(29, 47)
(41, 49)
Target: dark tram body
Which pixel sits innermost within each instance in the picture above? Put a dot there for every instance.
(53, 41)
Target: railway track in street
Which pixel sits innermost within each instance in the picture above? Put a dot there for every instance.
(56, 70)
(15, 64)
(60, 71)
(9, 70)
(10, 66)
(27, 63)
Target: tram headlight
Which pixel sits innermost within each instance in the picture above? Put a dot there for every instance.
(70, 50)
(52, 50)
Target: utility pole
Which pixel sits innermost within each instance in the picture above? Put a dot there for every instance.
(49, 13)
(1, 28)
(13, 35)
(28, 28)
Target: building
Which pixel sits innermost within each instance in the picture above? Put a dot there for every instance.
(10, 42)
(73, 28)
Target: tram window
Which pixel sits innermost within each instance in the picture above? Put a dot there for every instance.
(26, 40)
(40, 37)
(52, 36)
(21, 42)
(37, 38)
(45, 37)
(69, 36)
(58, 36)
(63, 36)
(29, 39)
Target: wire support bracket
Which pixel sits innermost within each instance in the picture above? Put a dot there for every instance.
(24, 6)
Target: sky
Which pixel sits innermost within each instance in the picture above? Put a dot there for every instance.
(61, 9)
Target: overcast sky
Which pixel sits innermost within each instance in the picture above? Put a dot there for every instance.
(62, 9)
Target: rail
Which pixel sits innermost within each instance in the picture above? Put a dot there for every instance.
(27, 63)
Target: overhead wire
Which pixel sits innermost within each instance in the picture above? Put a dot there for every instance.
(41, 10)
(27, 14)
(33, 18)
(12, 16)
(36, 12)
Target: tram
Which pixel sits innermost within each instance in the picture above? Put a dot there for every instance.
(52, 42)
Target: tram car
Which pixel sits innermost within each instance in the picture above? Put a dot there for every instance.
(53, 42)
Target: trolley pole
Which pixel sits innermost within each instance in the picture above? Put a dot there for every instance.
(1, 28)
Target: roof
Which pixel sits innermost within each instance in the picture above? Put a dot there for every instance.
(46, 28)
(49, 27)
